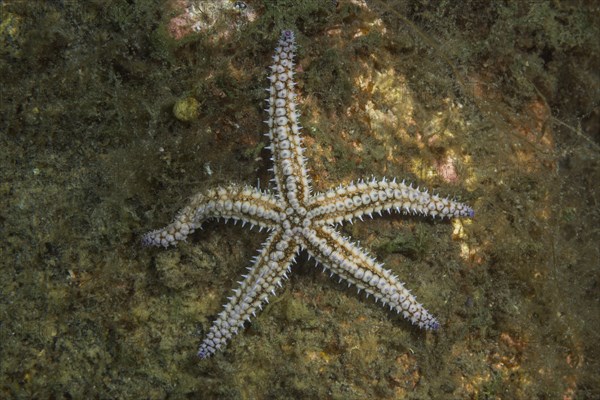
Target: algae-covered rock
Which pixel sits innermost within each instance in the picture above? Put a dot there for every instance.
(10, 34)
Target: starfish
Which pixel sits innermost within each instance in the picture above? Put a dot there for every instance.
(298, 219)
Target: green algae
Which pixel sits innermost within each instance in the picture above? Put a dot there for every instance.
(186, 109)
(92, 157)
(414, 245)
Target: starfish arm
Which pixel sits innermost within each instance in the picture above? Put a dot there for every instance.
(291, 176)
(353, 264)
(245, 203)
(267, 272)
(366, 197)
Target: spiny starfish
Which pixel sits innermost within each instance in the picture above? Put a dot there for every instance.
(300, 220)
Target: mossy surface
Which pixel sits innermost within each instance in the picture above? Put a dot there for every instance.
(493, 103)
